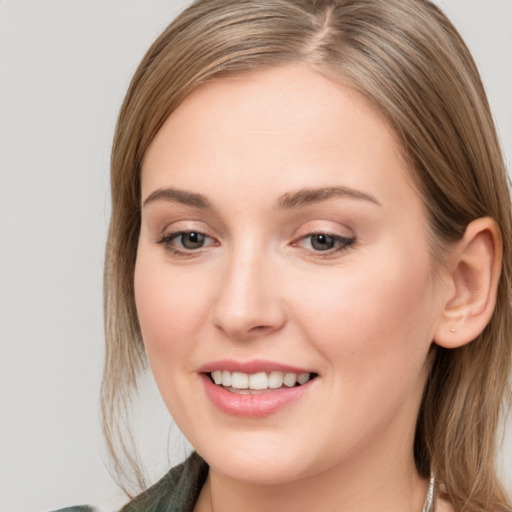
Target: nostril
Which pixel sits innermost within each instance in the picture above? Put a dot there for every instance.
(260, 328)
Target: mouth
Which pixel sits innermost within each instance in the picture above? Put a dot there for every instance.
(256, 388)
(260, 382)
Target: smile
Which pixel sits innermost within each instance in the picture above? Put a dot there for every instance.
(255, 388)
(239, 382)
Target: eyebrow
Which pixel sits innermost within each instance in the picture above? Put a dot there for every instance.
(309, 196)
(287, 201)
(174, 195)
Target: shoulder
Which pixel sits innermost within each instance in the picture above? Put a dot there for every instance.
(81, 508)
(177, 491)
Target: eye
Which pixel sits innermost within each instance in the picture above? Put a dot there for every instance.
(322, 242)
(191, 240)
(184, 242)
(325, 242)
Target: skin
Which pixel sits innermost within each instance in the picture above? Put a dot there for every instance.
(362, 317)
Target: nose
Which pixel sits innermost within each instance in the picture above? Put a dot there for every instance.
(249, 302)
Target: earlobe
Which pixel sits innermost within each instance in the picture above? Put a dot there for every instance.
(473, 285)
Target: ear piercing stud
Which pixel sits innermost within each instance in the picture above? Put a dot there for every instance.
(452, 329)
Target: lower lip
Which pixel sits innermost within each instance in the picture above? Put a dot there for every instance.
(258, 405)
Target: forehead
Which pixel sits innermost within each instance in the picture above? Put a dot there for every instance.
(289, 126)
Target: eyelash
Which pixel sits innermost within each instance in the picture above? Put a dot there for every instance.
(341, 243)
(168, 241)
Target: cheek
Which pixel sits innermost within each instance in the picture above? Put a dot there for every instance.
(172, 312)
(373, 328)
(169, 308)
(373, 316)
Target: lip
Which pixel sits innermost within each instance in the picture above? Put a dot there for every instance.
(254, 366)
(258, 405)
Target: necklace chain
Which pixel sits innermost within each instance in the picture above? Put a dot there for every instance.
(429, 505)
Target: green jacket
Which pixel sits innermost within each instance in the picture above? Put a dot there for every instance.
(177, 491)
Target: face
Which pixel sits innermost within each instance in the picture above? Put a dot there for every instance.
(283, 280)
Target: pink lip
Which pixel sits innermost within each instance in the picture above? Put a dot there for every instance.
(254, 366)
(246, 405)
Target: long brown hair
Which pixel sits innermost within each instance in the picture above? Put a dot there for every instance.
(410, 62)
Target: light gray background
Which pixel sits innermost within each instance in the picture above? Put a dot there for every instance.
(65, 65)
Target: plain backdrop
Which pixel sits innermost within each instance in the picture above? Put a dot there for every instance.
(65, 65)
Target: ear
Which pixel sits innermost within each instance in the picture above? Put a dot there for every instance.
(473, 284)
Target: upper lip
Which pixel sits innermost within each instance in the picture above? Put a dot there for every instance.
(251, 367)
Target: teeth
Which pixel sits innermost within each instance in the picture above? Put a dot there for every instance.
(239, 380)
(275, 380)
(290, 379)
(217, 377)
(226, 378)
(258, 381)
(303, 378)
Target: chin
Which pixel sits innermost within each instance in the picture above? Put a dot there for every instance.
(268, 471)
(258, 461)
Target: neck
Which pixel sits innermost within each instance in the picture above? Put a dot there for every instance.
(381, 482)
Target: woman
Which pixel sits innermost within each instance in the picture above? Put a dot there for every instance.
(310, 243)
